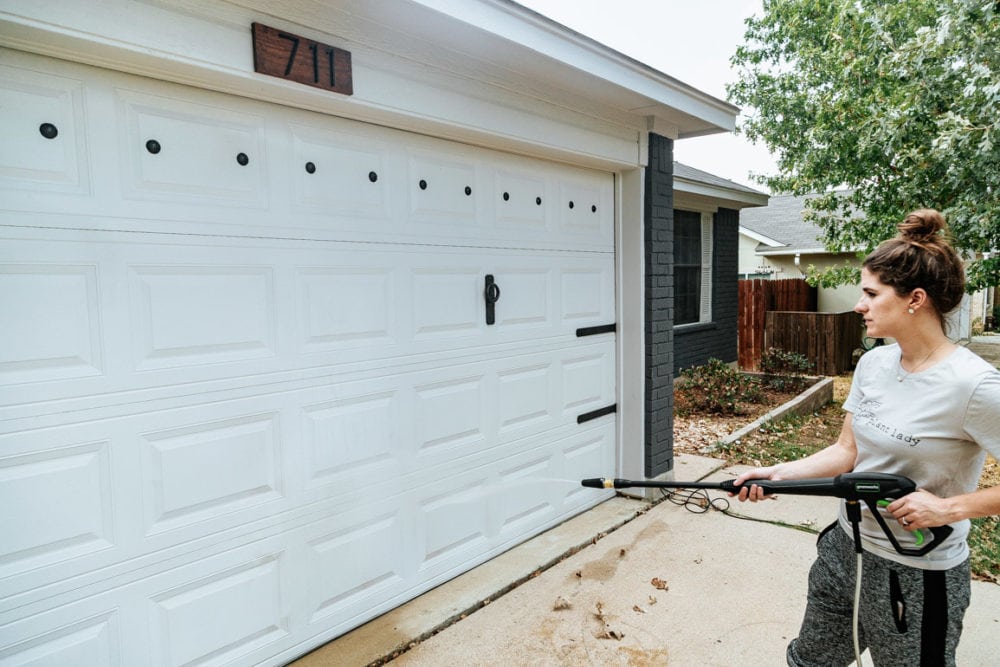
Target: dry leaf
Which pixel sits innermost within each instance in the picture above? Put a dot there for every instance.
(607, 633)
(637, 609)
(660, 584)
(652, 600)
(621, 553)
(561, 603)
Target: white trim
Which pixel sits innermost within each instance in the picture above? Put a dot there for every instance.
(707, 253)
(800, 251)
(631, 308)
(760, 238)
(738, 198)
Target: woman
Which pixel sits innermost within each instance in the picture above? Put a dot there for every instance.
(923, 408)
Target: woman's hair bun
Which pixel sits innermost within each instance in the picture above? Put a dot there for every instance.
(922, 226)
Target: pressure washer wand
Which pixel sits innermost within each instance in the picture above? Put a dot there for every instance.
(872, 488)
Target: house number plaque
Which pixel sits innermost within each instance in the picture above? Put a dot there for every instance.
(287, 56)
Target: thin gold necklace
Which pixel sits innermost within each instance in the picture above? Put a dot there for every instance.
(903, 373)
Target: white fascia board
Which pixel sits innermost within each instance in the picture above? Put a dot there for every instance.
(728, 197)
(208, 45)
(649, 91)
(760, 238)
(796, 251)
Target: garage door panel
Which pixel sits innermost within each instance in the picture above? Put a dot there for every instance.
(193, 474)
(182, 151)
(76, 480)
(586, 295)
(450, 416)
(527, 295)
(525, 493)
(525, 396)
(520, 201)
(221, 617)
(446, 302)
(42, 132)
(356, 435)
(441, 192)
(191, 315)
(342, 586)
(52, 324)
(338, 174)
(584, 207)
(344, 306)
(93, 641)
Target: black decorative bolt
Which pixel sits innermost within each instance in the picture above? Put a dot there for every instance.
(48, 130)
(506, 196)
(538, 201)
(153, 146)
(423, 184)
(372, 176)
(468, 190)
(242, 159)
(310, 168)
(571, 204)
(593, 208)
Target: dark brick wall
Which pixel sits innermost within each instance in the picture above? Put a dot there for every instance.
(695, 344)
(658, 218)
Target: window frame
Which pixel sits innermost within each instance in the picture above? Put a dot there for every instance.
(707, 251)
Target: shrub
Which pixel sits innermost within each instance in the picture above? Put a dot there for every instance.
(784, 370)
(716, 387)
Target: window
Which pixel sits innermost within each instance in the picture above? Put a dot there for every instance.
(692, 267)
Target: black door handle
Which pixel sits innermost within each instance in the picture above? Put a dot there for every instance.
(491, 294)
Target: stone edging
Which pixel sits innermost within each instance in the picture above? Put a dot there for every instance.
(813, 398)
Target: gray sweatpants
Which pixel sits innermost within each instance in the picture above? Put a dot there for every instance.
(907, 616)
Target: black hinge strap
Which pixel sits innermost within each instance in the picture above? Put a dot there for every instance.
(593, 331)
(594, 414)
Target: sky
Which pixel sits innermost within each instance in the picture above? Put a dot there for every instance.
(690, 40)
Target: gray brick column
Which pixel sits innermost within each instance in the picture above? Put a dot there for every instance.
(659, 285)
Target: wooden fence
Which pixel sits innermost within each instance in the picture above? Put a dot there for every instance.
(826, 339)
(756, 298)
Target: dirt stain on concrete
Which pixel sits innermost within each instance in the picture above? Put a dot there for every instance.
(604, 568)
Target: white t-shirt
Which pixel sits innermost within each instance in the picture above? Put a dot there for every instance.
(935, 427)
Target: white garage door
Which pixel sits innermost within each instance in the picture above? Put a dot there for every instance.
(248, 395)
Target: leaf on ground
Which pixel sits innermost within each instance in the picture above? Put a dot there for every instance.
(608, 633)
(660, 584)
(561, 604)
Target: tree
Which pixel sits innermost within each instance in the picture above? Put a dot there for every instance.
(895, 104)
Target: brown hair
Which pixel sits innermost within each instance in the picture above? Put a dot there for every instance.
(921, 256)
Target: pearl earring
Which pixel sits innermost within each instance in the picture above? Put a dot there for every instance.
(910, 311)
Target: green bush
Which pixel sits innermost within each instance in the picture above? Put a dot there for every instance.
(718, 388)
(784, 370)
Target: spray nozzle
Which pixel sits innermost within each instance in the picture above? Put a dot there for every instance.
(602, 483)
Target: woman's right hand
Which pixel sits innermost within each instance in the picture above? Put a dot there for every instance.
(753, 493)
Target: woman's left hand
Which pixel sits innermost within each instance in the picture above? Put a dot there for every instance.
(920, 509)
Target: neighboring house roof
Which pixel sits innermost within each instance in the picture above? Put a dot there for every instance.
(693, 186)
(781, 229)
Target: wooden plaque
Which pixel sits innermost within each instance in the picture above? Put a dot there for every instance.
(288, 56)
